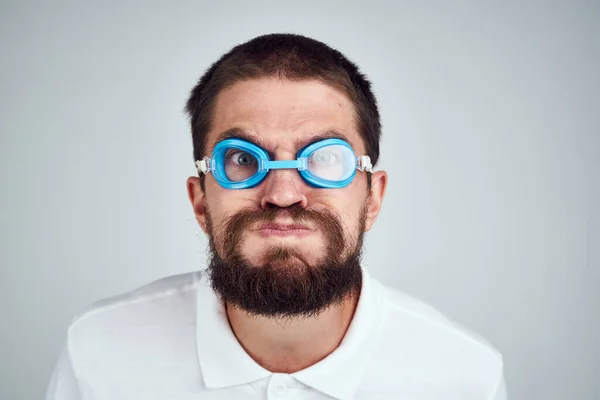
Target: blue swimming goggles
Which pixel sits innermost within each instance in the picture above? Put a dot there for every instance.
(239, 164)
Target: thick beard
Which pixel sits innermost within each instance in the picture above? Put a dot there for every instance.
(283, 284)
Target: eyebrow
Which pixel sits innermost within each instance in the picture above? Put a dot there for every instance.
(239, 133)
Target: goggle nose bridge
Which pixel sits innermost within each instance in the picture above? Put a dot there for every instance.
(301, 164)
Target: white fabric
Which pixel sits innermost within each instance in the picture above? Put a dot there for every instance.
(171, 340)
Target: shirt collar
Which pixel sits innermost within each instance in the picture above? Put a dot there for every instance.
(223, 360)
(338, 375)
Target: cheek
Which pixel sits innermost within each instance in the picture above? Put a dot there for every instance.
(347, 203)
(222, 203)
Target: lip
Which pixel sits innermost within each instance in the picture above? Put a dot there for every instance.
(284, 230)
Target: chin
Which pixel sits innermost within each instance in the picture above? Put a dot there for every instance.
(290, 266)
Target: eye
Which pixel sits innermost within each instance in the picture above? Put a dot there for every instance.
(324, 157)
(242, 158)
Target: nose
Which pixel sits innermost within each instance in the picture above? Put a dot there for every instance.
(284, 188)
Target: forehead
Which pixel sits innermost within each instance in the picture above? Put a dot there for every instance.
(279, 114)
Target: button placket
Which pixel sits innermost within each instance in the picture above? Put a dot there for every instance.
(280, 390)
(280, 385)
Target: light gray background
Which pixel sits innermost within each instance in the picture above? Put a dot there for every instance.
(491, 120)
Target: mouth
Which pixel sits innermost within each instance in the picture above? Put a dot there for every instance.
(284, 230)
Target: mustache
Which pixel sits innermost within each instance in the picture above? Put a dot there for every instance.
(235, 225)
(297, 213)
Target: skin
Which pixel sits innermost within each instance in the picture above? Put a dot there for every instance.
(280, 113)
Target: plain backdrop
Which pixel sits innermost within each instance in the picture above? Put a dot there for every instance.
(491, 124)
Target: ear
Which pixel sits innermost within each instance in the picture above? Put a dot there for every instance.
(198, 200)
(378, 186)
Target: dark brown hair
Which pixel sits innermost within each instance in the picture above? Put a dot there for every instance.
(287, 56)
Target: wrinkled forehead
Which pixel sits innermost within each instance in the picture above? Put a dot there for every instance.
(283, 116)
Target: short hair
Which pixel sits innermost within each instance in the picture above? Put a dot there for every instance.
(286, 56)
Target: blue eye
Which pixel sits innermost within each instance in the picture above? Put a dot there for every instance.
(242, 158)
(239, 165)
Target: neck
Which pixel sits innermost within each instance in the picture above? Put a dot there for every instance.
(288, 345)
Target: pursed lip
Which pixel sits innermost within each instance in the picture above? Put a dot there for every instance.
(279, 229)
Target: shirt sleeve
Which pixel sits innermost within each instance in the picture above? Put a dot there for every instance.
(63, 383)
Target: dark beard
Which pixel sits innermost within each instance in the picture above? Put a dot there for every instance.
(284, 285)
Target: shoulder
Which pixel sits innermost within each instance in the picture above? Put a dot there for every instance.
(135, 334)
(161, 300)
(404, 311)
(419, 342)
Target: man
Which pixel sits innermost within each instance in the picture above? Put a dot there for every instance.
(285, 132)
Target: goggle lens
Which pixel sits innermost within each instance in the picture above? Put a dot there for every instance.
(239, 165)
(333, 163)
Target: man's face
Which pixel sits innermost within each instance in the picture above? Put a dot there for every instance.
(284, 241)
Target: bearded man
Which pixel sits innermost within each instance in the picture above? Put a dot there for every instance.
(286, 133)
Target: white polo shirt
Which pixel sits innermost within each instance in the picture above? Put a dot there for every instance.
(170, 340)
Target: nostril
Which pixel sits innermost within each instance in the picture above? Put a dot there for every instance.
(268, 205)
